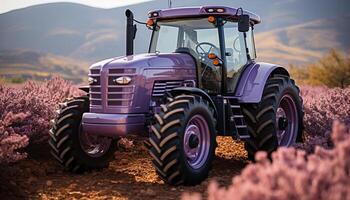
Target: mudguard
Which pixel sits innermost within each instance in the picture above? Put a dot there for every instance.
(252, 82)
(193, 90)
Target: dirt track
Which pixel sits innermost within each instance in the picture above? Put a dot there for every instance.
(129, 176)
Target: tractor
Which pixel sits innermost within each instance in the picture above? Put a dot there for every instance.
(200, 79)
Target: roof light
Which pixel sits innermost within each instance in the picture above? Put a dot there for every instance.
(150, 23)
(211, 19)
(210, 10)
(215, 10)
(153, 14)
(220, 10)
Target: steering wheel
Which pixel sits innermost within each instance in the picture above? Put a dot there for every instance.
(201, 50)
(203, 54)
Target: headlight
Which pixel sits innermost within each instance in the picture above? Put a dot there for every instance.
(92, 80)
(123, 80)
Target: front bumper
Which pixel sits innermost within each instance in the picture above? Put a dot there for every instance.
(114, 125)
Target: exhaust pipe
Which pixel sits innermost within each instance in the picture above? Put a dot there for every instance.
(130, 32)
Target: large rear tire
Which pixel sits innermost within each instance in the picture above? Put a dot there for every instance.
(277, 120)
(183, 141)
(71, 147)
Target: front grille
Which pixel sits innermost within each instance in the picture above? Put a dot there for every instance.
(120, 95)
(161, 87)
(95, 88)
(117, 95)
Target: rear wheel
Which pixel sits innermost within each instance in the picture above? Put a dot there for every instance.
(277, 119)
(76, 150)
(182, 140)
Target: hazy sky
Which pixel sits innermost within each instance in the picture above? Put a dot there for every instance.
(8, 5)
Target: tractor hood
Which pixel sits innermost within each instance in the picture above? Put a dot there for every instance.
(153, 60)
(141, 72)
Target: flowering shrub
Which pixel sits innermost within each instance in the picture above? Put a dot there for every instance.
(332, 70)
(10, 141)
(292, 174)
(25, 114)
(323, 106)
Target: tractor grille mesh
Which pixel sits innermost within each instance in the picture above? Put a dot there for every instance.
(120, 95)
(161, 87)
(95, 88)
(117, 95)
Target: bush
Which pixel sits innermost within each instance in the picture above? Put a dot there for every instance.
(293, 175)
(323, 106)
(25, 114)
(332, 70)
(10, 141)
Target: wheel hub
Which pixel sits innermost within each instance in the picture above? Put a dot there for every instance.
(196, 141)
(93, 145)
(286, 121)
(282, 123)
(193, 141)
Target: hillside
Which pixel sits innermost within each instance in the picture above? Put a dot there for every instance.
(292, 32)
(303, 43)
(27, 64)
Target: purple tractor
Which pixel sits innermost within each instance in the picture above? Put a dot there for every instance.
(198, 80)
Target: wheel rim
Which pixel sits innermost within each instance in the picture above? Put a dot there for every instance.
(197, 141)
(287, 121)
(92, 145)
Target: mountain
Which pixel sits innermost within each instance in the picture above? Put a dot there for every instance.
(293, 31)
(28, 64)
(305, 42)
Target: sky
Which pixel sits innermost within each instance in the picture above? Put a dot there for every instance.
(8, 5)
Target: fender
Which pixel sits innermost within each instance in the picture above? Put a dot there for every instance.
(197, 91)
(253, 80)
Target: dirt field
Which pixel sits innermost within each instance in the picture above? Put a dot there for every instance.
(129, 176)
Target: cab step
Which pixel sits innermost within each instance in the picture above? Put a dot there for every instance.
(237, 119)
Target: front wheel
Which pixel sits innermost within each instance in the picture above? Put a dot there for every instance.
(76, 150)
(182, 140)
(277, 120)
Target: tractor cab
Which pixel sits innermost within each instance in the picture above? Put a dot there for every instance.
(211, 35)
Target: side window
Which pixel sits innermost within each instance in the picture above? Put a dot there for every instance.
(235, 49)
(167, 43)
(209, 36)
(251, 43)
(236, 54)
(194, 37)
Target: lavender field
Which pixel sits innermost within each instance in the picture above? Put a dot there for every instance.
(318, 168)
(272, 69)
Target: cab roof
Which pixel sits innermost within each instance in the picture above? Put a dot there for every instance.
(183, 12)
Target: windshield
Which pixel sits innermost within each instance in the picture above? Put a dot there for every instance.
(175, 34)
(198, 38)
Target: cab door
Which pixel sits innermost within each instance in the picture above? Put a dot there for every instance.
(236, 54)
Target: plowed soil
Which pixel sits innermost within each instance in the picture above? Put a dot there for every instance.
(129, 176)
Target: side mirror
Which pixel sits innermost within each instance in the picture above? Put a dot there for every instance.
(243, 23)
